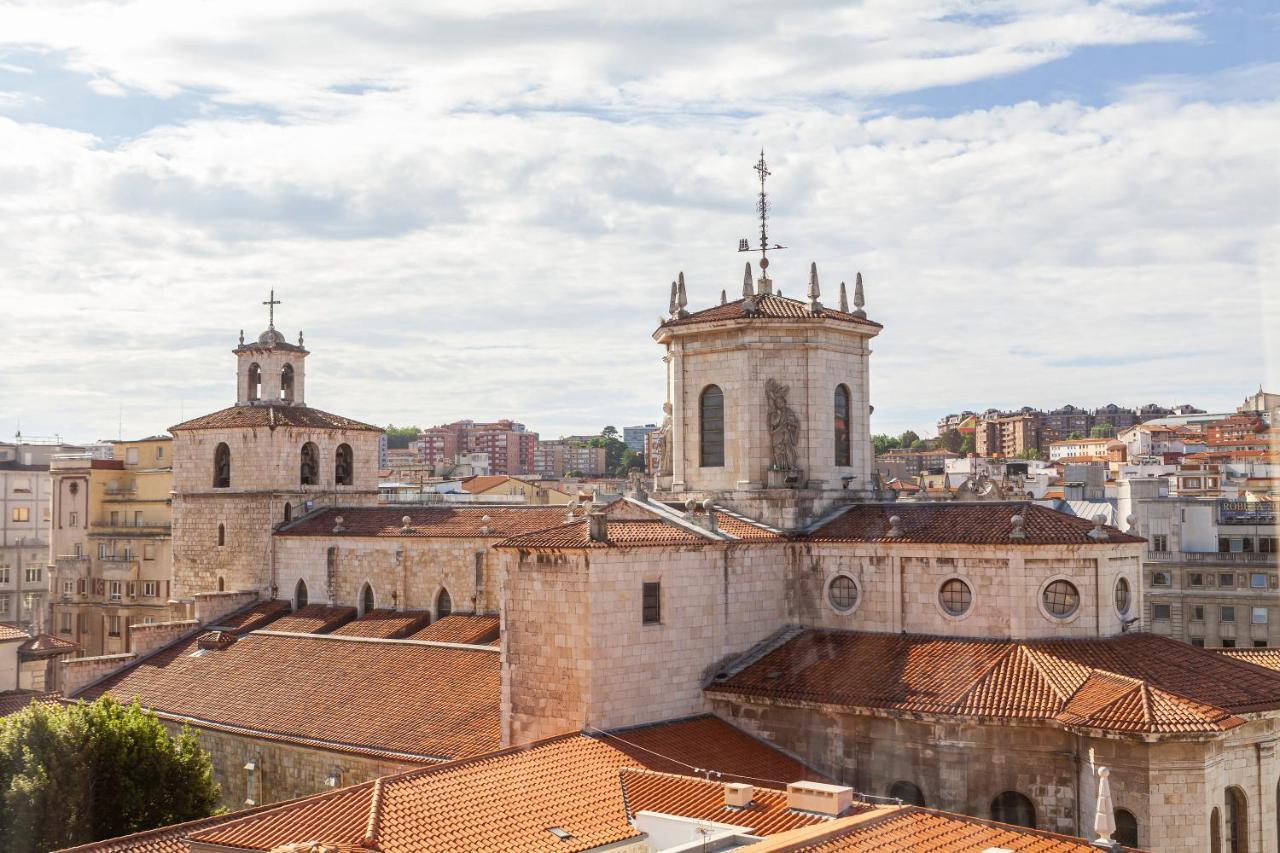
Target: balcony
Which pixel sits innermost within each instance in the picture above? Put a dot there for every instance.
(125, 527)
(116, 490)
(72, 564)
(1223, 558)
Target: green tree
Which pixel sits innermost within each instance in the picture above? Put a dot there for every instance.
(1030, 453)
(951, 440)
(884, 443)
(908, 438)
(969, 444)
(1103, 431)
(1075, 436)
(76, 773)
(630, 459)
(398, 438)
(609, 432)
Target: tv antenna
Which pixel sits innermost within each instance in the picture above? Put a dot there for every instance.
(744, 245)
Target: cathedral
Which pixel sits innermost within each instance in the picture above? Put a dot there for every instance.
(979, 658)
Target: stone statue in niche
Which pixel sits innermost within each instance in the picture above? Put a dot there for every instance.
(784, 428)
(664, 442)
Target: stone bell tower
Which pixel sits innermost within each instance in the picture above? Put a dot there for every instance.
(271, 370)
(767, 407)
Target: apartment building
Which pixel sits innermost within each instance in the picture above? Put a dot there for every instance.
(510, 445)
(558, 458)
(633, 436)
(111, 543)
(1011, 435)
(24, 544)
(1210, 569)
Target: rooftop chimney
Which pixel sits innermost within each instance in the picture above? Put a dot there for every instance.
(598, 527)
(737, 795)
(819, 798)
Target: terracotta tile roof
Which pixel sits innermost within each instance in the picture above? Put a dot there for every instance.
(961, 523)
(917, 829)
(314, 619)
(438, 521)
(688, 796)
(478, 484)
(501, 802)
(622, 533)
(770, 306)
(272, 416)
(166, 839)
(47, 644)
(737, 526)
(343, 692)
(1132, 683)
(252, 618)
(13, 701)
(460, 628)
(1269, 658)
(12, 632)
(385, 624)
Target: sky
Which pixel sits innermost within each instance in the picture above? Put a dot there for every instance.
(475, 209)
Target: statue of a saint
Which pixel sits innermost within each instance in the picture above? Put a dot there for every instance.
(665, 443)
(784, 427)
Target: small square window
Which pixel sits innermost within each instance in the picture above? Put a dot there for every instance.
(1259, 615)
(1195, 579)
(1226, 580)
(1258, 580)
(652, 607)
(1198, 642)
(1160, 611)
(1228, 644)
(1160, 579)
(1227, 613)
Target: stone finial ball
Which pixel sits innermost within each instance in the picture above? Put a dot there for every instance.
(1099, 519)
(1130, 519)
(405, 520)
(485, 519)
(1016, 520)
(895, 520)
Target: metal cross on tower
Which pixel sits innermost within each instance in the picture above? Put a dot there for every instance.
(744, 245)
(271, 309)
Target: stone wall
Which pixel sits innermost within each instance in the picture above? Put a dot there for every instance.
(283, 770)
(212, 606)
(78, 673)
(405, 573)
(148, 638)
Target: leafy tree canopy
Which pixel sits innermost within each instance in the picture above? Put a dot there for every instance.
(908, 438)
(1103, 431)
(951, 440)
(70, 774)
(884, 443)
(398, 438)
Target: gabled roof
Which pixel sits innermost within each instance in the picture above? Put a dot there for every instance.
(272, 415)
(460, 628)
(919, 830)
(769, 306)
(434, 521)
(252, 618)
(12, 632)
(45, 645)
(314, 619)
(982, 523)
(1136, 683)
(13, 701)
(385, 624)
(339, 693)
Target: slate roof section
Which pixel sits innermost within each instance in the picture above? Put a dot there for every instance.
(978, 523)
(313, 619)
(1136, 683)
(385, 624)
(919, 830)
(460, 628)
(342, 692)
(434, 521)
(770, 306)
(272, 416)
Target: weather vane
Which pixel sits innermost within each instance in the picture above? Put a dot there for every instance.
(744, 245)
(271, 309)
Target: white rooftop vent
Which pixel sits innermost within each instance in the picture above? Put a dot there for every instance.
(560, 832)
(819, 798)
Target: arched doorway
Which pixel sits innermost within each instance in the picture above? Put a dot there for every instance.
(908, 792)
(444, 604)
(1126, 828)
(300, 595)
(222, 584)
(366, 599)
(1237, 821)
(1014, 808)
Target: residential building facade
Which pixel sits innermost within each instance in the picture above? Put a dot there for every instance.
(24, 541)
(509, 445)
(561, 457)
(633, 436)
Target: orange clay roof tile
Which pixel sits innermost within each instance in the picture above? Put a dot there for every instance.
(628, 533)
(460, 628)
(438, 521)
(272, 416)
(1134, 683)
(347, 692)
(385, 624)
(964, 523)
(251, 619)
(769, 306)
(313, 619)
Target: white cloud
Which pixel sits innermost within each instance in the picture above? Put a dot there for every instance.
(490, 227)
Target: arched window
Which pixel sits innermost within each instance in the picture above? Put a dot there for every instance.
(310, 469)
(1012, 807)
(1237, 821)
(222, 466)
(366, 599)
(1215, 832)
(300, 595)
(842, 425)
(342, 470)
(1122, 596)
(222, 584)
(222, 535)
(444, 604)
(288, 511)
(909, 793)
(1126, 828)
(255, 381)
(711, 427)
(286, 383)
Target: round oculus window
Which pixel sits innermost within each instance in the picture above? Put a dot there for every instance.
(955, 597)
(1061, 599)
(1122, 596)
(842, 593)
